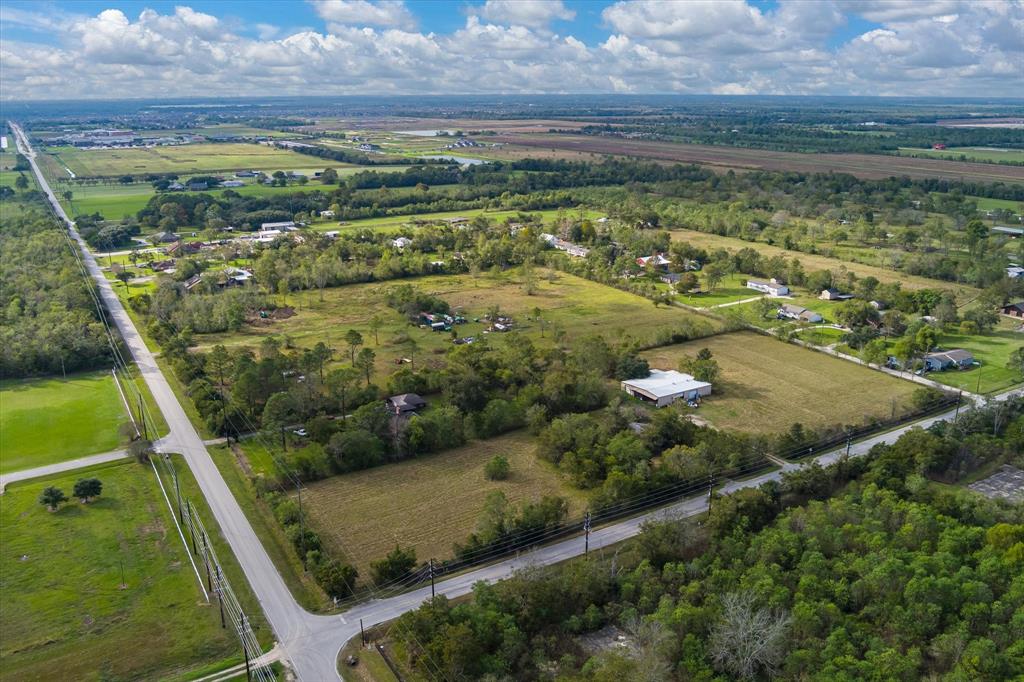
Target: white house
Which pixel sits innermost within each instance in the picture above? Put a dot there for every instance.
(1014, 271)
(401, 242)
(664, 387)
(771, 287)
(327, 213)
(658, 260)
(796, 312)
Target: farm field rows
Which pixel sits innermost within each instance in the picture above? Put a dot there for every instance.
(861, 165)
(427, 503)
(65, 610)
(43, 421)
(767, 385)
(574, 305)
(183, 159)
(812, 262)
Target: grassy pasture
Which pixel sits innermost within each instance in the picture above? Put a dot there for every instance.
(397, 222)
(569, 303)
(968, 153)
(184, 159)
(66, 615)
(813, 262)
(427, 503)
(767, 385)
(43, 421)
(992, 350)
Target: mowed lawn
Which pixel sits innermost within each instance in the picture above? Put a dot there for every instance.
(189, 158)
(573, 305)
(427, 503)
(812, 262)
(992, 350)
(767, 385)
(43, 421)
(66, 615)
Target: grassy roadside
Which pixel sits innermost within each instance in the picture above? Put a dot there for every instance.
(271, 534)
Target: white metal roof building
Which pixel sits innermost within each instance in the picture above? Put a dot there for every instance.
(664, 387)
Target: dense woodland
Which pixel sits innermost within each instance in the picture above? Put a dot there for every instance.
(48, 320)
(894, 578)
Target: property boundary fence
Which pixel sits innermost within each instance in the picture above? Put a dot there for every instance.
(217, 583)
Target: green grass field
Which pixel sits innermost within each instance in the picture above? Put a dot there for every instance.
(987, 204)
(767, 385)
(427, 503)
(66, 615)
(730, 290)
(576, 306)
(966, 153)
(43, 421)
(398, 222)
(184, 159)
(992, 350)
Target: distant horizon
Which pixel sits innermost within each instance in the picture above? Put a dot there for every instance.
(117, 50)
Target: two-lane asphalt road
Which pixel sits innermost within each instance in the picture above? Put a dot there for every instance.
(310, 643)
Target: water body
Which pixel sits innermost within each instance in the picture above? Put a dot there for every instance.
(464, 160)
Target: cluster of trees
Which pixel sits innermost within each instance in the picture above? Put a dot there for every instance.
(48, 320)
(86, 489)
(893, 579)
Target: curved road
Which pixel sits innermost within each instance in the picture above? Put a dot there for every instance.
(310, 643)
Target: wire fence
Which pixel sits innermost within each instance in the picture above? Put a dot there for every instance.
(217, 584)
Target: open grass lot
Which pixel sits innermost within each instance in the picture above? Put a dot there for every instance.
(191, 158)
(396, 223)
(813, 262)
(427, 503)
(767, 385)
(968, 153)
(572, 304)
(992, 350)
(43, 421)
(860, 165)
(987, 204)
(65, 613)
(730, 290)
(114, 200)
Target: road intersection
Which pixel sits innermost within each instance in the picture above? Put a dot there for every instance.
(308, 642)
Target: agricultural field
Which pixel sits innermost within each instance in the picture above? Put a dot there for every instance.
(812, 262)
(737, 158)
(427, 503)
(396, 223)
(767, 385)
(183, 159)
(568, 304)
(43, 421)
(69, 615)
(993, 155)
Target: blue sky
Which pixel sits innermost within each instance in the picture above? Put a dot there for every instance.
(118, 48)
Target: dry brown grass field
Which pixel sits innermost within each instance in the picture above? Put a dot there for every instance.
(861, 165)
(817, 262)
(426, 503)
(767, 385)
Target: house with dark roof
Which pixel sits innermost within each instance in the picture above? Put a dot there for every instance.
(1013, 309)
(405, 403)
(796, 312)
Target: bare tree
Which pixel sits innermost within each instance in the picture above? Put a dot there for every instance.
(748, 639)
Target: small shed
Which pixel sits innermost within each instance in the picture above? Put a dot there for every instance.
(664, 387)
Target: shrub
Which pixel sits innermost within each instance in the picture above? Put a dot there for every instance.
(497, 469)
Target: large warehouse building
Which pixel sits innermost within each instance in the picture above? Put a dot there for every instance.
(664, 387)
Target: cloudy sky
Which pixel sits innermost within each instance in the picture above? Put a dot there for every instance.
(109, 49)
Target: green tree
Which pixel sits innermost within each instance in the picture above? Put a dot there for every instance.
(88, 488)
(364, 363)
(1016, 361)
(52, 498)
(21, 182)
(874, 352)
(329, 177)
(395, 566)
(703, 367)
(376, 322)
(278, 414)
(354, 339)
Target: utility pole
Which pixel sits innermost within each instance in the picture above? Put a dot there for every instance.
(245, 650)
(206, 558)
(191, 527)
(432, 595)
(220, 599)
(959, 396)
(586, 530)
(177, 491)
(142, 418)
(362, 633)
(302, 526)
(849, 442)
(711, 488)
